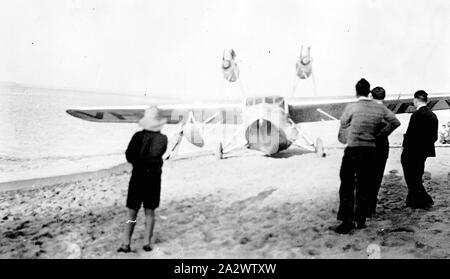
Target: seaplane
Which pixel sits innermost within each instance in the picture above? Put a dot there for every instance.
(268, 124)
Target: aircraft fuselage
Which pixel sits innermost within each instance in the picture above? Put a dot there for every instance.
(267, 127)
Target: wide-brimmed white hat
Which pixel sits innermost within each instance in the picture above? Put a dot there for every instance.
(153, 119)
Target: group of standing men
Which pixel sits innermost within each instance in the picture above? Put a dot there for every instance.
(365, 127)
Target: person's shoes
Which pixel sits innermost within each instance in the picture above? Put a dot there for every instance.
(124, 249)
(340, 215)
(425, 206)
(361, 225)
(411, 204)
(428, 200)
(147, 248)
(410, 201)
(344, 228)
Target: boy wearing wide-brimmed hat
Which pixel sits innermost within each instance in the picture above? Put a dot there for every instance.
(145, 152)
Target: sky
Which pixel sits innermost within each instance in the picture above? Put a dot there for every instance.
(173, 48)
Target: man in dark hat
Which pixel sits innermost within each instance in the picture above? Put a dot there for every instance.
(418, 145)
(361, 121)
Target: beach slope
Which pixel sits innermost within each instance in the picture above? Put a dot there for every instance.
(247, 206)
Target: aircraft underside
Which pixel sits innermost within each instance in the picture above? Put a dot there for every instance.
(266, 137)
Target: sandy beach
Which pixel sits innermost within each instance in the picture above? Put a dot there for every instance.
(247, 206)
(77, 76)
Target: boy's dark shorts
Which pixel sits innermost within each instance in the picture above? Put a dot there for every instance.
(144, 188)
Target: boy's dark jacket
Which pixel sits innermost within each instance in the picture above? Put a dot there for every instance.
(146, 149)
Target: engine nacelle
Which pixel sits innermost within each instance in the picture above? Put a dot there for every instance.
(193, 132)
(229, 66)
(304, 64)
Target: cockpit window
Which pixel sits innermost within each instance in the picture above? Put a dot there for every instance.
(271, 100)
(280, 102)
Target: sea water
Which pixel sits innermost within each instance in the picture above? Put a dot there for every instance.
(39, 139)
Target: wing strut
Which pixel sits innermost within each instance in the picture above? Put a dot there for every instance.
(327, 114)
(192, 130)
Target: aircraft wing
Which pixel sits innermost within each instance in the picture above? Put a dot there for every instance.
(230, 113)
(317, 109)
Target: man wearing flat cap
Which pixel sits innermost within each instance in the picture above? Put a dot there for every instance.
(418, 144)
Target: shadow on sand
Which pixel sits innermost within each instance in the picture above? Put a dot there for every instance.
(291, 151)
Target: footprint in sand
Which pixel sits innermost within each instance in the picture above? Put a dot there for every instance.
(434, 219)
(347, 247)
(13, 234)
(436, 231)
(329, 244)
(393, 241)
(313, 252)
(402, 229)
(252, 200)
(420, 245)
(208, 236)
(244, 240)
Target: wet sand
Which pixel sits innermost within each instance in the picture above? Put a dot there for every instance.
(241, 207)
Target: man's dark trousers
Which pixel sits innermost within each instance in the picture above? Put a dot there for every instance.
(418, 144)
(413, 167)
(381, 156)
(357, 179)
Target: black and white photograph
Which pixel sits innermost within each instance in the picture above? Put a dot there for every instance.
(224, 129)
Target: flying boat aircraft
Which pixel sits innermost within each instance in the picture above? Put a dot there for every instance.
(268, 124)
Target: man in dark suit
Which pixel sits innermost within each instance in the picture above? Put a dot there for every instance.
(418, 144)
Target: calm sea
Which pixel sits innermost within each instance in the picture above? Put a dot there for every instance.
(38, 138)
